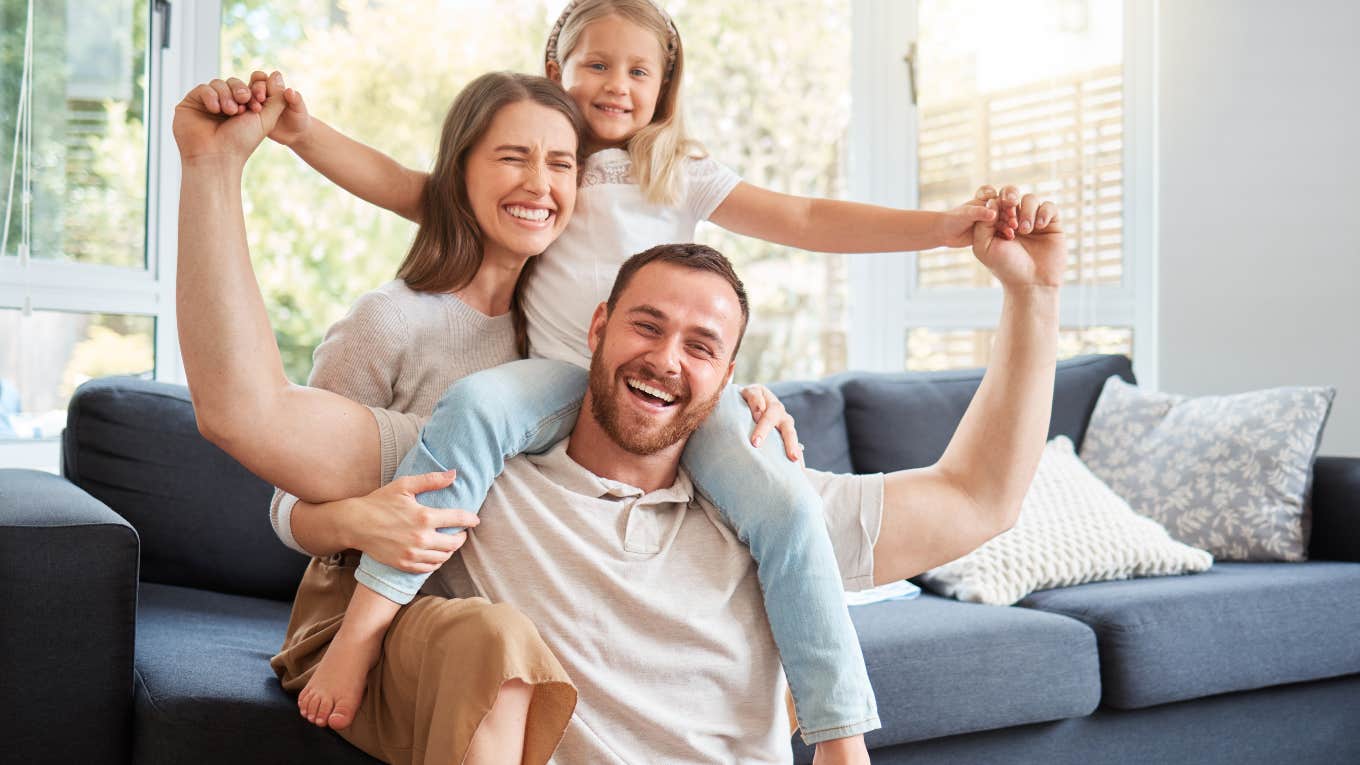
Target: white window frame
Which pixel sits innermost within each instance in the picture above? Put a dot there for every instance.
(32, 284)
(885, 299)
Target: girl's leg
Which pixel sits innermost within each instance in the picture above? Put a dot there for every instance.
(522, 407)
(775, 511)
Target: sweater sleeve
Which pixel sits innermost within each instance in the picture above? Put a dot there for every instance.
(359, 358)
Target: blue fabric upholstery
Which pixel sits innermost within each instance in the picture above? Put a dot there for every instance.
(205, 693)
(931, 660)
(905, 420)
(68, 590)
(1304, 724)
(134, 444)
(1336, 509)
(1235, 627)
(818, 410)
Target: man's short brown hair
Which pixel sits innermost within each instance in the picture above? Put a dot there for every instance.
(695, 256)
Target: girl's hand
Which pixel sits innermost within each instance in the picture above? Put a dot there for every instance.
(295, 121)
(222, 118)
(769, 414)
(391, 526)
(1025, 248)
(955, 227)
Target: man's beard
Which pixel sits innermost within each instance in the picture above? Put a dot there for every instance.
(634, 438)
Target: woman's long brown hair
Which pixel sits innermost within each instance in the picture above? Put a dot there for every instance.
(447, 251)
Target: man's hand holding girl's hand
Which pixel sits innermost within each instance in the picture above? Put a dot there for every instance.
(1024, 247)
(223, 120)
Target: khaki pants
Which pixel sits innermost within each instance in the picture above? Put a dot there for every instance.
(442, 665)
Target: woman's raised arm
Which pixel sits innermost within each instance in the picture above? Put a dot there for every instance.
(312, 443)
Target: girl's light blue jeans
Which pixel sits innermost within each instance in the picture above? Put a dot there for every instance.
(525, 407)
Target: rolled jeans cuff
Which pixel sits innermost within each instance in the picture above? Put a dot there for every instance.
(841, 731)
(394, 594)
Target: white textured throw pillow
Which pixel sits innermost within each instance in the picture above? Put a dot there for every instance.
(1072, 530)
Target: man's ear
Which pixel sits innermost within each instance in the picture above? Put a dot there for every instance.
(597, 322)
(731, 370)
(553, 70)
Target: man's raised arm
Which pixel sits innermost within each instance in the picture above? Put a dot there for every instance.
(312, 443)
(935, 514)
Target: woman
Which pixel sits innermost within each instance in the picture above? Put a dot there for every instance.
(502, 697)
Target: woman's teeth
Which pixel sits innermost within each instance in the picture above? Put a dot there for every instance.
(528, 213)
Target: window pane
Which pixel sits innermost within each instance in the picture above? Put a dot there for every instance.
(1028, 94)
(46, 355)
(933, 349)
(86, 157)
(750, 71)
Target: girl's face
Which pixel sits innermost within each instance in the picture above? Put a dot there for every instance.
(521, 180)
(614, 74)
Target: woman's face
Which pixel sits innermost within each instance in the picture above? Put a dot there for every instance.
(521, 180)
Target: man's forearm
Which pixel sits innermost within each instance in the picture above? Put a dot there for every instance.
(215, 288)
(1000, 439)
(362, 170)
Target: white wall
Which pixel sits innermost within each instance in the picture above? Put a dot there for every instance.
(1259, 200)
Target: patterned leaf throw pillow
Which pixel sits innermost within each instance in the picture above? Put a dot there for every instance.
(1072, 529)
(1228, 474)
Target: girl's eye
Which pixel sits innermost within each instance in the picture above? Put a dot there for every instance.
(597, 67)
(639, 73)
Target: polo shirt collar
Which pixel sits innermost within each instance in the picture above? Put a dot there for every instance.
(557, 466)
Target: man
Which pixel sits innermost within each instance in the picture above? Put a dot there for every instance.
(643, 592)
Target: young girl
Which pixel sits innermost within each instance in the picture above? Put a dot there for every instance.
(645, 182)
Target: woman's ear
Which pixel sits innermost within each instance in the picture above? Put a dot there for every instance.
(554, 71)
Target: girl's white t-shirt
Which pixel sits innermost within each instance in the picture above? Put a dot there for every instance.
(611, 223)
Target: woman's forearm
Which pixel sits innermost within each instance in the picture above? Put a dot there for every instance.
(362, 170)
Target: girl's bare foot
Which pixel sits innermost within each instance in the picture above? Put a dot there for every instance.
(336, 689)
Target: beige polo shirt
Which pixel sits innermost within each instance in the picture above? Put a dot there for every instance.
(651, 604)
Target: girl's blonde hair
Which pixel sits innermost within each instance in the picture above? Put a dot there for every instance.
(659, 150)
(448, 247)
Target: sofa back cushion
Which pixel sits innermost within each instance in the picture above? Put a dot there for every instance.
(818, 409)
(202, 518)
(904, 420)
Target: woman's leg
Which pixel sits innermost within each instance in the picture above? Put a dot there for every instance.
(523, 407)
(453, 670)
(775, 511)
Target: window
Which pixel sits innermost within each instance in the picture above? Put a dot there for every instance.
(385, 72)
(1034, 95)
(80, 293)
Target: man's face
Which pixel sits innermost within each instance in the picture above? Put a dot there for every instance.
(661, 359)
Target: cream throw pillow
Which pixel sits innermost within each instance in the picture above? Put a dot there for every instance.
(1072, 530)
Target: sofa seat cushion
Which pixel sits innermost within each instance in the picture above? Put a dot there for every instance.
(940, 667)
(1238, 626)
(205, 693)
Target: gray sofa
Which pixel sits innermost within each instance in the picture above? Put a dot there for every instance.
(143, 593)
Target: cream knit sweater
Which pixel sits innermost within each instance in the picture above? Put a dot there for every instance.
(396, 351)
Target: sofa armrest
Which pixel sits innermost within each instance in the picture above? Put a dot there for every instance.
(68, 603)
(1336, 509)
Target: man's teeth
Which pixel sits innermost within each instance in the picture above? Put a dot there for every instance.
(528, 213)
(649, 390)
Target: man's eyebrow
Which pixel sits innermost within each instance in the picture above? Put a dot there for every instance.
(708, 333)
(562, 153)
